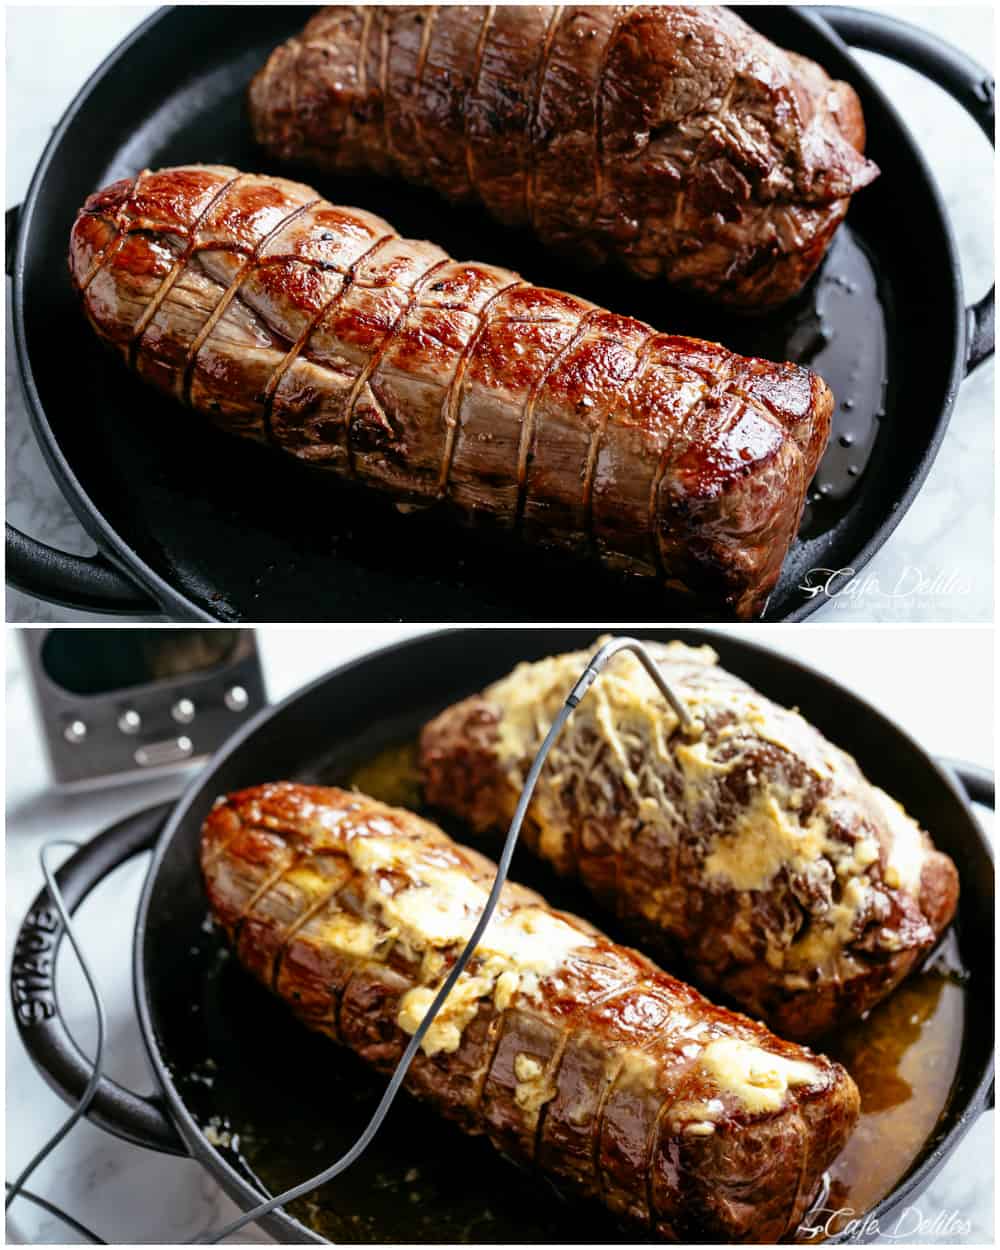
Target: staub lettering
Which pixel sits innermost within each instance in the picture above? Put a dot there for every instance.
(31, 979)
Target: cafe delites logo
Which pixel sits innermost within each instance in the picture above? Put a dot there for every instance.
(911, 583)
(904, 1225)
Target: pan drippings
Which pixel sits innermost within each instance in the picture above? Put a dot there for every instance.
(904, 1058)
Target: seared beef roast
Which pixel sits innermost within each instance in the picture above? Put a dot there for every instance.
(753, 847)
(673, 138)
(573, 1055)
(321, 331)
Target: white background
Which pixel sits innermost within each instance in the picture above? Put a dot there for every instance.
(936, 683)
(946, 535)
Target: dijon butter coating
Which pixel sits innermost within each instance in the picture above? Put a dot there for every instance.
(753, 848)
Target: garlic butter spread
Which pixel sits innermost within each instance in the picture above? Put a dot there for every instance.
(533, 1089)
(907, 850)
(349, 934)
(527, 1067)
(758, 1079)
(798, 807)
(763, 838)
(421, 898)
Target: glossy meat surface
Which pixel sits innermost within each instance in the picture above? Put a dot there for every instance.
(573, 1055)
(754, 849)
(319, 330)
(673, 138)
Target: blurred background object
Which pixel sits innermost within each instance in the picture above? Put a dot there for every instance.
(118, 705)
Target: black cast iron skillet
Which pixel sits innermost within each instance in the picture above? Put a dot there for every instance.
(285, 1089)
(200, 526)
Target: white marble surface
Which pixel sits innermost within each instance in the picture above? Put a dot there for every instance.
(129, 1194)
(945, 539)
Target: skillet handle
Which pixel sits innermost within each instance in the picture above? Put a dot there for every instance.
(964, 80)
(977, 782)
(136, 1118)
(87, 583)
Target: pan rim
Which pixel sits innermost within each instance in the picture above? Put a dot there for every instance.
(959, 321)
(236, 1184)
(109, 541)
(179, 605)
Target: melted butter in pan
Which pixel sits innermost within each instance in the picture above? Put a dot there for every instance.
(392, 776)
(904, 1058)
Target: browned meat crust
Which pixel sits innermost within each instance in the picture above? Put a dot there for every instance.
(570, 1053)
(673, 138)
(319, 330)
(757, 852)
